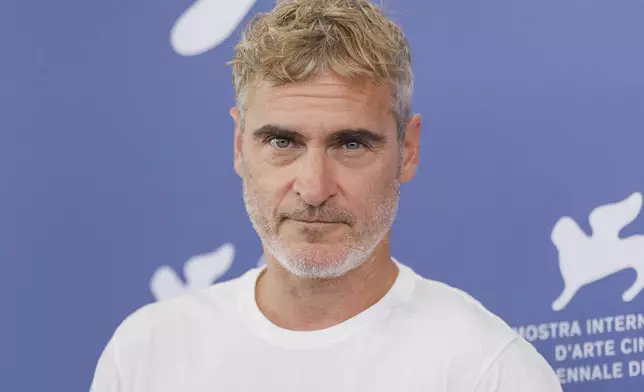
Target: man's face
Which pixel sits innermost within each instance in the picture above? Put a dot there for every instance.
(321, 168)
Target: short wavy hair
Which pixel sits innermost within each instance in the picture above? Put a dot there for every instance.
(300, 39)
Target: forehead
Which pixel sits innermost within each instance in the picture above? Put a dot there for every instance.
(328, 102)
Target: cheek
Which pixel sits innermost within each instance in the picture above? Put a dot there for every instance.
(364, 192)
(358, 191)
(268, 184)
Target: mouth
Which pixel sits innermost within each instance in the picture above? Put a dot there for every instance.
(315, 222)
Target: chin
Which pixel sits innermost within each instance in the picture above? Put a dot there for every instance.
(319, 260)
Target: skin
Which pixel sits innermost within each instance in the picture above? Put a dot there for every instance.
(321, 167)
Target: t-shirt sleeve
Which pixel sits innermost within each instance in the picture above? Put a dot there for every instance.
(519, 368)
(106, 375)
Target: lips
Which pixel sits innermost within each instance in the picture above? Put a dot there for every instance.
(314, 221)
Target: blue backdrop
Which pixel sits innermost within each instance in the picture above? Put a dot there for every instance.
(116, 169)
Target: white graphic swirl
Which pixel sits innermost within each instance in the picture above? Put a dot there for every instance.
(206, 24)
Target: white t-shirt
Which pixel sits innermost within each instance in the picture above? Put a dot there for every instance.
(421, 336)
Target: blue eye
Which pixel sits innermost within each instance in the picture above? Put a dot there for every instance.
(280, 142)
(353, 145)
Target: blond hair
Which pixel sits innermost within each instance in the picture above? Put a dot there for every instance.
(300, 39)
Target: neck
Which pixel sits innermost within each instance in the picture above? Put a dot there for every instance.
(306, 304)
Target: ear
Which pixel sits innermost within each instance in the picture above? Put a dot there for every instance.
(234, 113)
(411, 145)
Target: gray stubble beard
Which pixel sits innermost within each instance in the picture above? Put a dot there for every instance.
(300, 263)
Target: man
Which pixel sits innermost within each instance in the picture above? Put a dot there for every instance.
(323, 139)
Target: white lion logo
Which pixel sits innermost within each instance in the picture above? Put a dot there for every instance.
(200, 272)
(585, 259)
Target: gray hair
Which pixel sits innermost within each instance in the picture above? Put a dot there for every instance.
(300, 39)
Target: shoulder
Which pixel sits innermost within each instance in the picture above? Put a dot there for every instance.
(455, 312)
(166, 328)
(218, 302)
(475, 342)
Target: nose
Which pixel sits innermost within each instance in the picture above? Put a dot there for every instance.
(314, 181)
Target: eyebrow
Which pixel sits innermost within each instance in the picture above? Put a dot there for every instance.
(271, 130)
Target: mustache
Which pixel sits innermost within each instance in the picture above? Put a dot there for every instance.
(322, 214)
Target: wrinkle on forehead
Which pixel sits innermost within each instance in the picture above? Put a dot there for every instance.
(354, 100)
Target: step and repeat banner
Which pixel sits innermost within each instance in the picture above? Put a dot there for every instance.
(117, 187)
